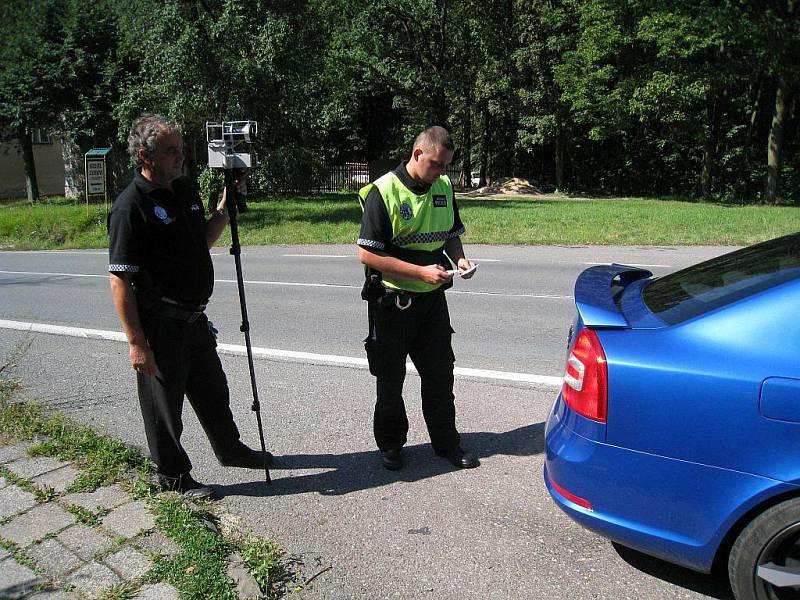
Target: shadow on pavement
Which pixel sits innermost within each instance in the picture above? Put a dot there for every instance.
(354, 471)
(711, 585)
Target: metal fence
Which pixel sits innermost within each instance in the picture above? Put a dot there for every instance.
(349, 176)
(352, 176)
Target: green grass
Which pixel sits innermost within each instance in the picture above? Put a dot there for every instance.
(52, 223)
(264, 559)
(335, 218)
(622, 221)
(199, 569)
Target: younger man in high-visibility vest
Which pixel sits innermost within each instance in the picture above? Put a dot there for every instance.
(410, 237)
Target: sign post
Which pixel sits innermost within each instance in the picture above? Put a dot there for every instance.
(96, 175)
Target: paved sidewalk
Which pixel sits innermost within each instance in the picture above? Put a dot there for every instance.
(46, 552)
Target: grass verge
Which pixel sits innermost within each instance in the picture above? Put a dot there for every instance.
(334, 219)
(199, 569)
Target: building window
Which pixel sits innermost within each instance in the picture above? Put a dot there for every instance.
(41, 136)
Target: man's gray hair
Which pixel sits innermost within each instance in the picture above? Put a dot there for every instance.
(432, 138)
(144, 132)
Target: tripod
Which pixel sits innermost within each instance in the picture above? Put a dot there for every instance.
(233, 205)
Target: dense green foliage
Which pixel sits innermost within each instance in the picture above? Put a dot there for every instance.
(694, 98)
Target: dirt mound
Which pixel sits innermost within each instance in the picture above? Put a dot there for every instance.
(509, 185)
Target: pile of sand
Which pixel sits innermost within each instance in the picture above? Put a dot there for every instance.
(508, 185)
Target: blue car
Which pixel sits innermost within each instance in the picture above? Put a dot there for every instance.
(677, 429)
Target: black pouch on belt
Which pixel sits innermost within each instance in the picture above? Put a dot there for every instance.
(373, 288)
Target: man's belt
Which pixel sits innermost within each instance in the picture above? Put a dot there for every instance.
(171, 309)
(402, 298)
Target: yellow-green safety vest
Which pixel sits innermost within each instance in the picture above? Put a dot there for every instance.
(418, 222)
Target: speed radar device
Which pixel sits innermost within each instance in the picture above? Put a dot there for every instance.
(230, 144)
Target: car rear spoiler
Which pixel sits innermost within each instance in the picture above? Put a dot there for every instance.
(594, 296)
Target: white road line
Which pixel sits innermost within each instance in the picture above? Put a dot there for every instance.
(291, 283)
(302, 284)
(287, 355)
(105, 252)
(354, 256)
(51, 274)
(320, 255)
(630, 264)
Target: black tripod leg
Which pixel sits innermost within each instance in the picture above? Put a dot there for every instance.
(236, 251)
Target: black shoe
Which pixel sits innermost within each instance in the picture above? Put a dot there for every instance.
(249, 459)
(461, 459)
(392, 459)
(184, 484)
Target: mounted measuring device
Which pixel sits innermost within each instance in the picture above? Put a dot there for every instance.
(230, 148)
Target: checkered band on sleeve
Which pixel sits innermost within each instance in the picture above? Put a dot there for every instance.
(422, 238)
(457, 233)
(371, 243)
(123, 268)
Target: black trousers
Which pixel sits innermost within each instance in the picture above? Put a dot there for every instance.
(188, 365)
(422, 332)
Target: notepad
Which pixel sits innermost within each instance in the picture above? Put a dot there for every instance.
(455, 270)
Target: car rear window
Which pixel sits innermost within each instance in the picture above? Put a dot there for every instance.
(709, 285)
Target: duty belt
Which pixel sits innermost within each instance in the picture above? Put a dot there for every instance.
(172, 309)
(403, 298)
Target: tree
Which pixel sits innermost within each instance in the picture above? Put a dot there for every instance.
(32, 74)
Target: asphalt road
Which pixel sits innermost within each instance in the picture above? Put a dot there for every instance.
(424, 532)
(513, 315)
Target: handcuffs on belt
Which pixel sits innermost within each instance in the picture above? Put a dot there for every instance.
(402, 306)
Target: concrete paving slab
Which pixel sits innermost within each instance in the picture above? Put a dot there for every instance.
(59, 480)
(92, 579)
(54, 594)
(36, 524)
(130, 519)
(16, 580)
(9, 452)
(31, 466)
(14, 500)
(157, 543)
(158, 591)
(85, 541)
(128, 563)
(3, 482)
(56, 561)
(105, 497)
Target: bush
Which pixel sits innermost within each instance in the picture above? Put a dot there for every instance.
(288, 169)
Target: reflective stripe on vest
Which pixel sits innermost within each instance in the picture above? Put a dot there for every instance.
(418, 222)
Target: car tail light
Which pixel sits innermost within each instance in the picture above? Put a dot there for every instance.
(585, 387)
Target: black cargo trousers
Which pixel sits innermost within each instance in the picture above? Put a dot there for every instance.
(423, 332)
(188, 364)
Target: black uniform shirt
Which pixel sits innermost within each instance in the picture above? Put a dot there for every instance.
(376, 226)
(159, 235)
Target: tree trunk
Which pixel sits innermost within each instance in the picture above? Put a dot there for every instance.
(710, 145)
(486, 142)
(560, 155)
(26, 145)
(775, 142)
(465, 180)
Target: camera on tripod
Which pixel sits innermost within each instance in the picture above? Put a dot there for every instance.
(230, 148)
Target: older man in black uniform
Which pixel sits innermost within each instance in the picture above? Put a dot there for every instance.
(161, 278)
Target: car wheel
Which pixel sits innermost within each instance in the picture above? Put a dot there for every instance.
(764, 563)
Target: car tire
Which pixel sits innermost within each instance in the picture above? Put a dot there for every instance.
(766, 555)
